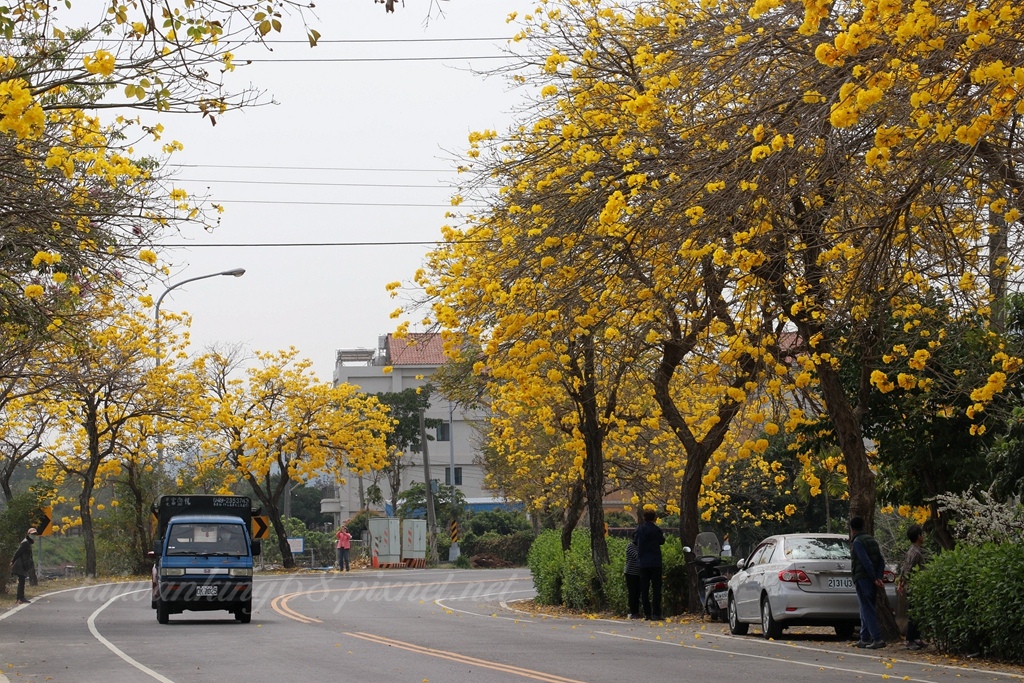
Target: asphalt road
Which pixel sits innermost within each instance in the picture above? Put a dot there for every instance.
(412, 626)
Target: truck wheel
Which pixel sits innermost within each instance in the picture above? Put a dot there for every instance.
(163, 613)
(244, 613)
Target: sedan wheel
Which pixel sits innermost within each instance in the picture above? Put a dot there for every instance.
(844, 631)
(770, 628)
(736, 627)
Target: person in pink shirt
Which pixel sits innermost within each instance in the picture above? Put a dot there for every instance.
(344, 544)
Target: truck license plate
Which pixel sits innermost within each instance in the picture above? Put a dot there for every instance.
(206, 591)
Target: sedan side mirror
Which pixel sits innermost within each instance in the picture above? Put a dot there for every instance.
(740, 564)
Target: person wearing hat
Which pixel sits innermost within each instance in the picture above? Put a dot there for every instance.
(22, 565)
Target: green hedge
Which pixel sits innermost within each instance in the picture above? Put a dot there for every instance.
(578, 575)
(570, 579)
(512, 548)
(971, 600)
(545, 562)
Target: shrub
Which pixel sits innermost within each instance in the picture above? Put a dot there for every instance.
(545, 562)
(578, 574)
(502, 522)
(971, 600)
(572, 580)
(616, 596)
(512, 548)
(675, 589)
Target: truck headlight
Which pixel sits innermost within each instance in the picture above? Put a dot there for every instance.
(240, 571)
(173, 571)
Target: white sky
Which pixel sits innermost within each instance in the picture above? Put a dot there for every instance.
(403, 117)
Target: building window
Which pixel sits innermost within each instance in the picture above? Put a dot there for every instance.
(448, 476)
(444, 431)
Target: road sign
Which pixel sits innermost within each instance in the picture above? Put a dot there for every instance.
(44, 517)
(260, 527)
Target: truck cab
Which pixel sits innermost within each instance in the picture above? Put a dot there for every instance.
(203, 555)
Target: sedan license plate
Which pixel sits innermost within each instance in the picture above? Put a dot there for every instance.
(206, 591)
(840, 583)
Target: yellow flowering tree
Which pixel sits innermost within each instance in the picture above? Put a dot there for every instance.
(579, 273)
(81, 204)
(280, 425)
(23, 428)
(837, 163)
(106, 393)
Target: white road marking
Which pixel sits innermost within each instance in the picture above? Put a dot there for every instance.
(860, 653)
(113, 648)
(440, 603)
(816, 665)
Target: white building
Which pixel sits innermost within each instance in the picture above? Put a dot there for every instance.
(413, 360)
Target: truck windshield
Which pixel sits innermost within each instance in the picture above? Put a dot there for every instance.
(206, 539)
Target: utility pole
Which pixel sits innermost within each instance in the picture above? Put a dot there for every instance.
(453, 550)
(431, 518)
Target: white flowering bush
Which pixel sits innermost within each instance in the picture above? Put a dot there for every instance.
(982, 519)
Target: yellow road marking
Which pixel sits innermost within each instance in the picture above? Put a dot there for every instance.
(280, 603)
(464, 659)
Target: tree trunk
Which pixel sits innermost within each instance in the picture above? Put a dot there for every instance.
(593, 463)
(846, 424)
(88, 533)
(142, 540)
(88, 484)
(573, 512)
(887, 617)
(269, 501)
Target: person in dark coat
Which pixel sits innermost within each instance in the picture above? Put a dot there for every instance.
(22, 565)
(867, 567)
(632, 574)
(649, 538)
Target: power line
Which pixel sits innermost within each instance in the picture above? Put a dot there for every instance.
(316, 244)
(317, 168)
(304, 203)
(321, 41)
(301, 184)
(239, 60)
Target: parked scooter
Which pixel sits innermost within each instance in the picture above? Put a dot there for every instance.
(714, 585)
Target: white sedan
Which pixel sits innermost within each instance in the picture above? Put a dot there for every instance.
(797, 579)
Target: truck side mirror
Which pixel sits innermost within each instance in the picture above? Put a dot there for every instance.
(257, 548)
(156, 547)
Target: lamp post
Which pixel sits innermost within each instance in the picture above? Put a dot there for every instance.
(234, 272)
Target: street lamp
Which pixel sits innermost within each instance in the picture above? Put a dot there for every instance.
(234, 272)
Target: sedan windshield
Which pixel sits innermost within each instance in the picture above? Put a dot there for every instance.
(817, 549)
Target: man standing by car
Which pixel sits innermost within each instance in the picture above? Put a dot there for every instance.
(867, 567)
(649, 538)
(914, 561)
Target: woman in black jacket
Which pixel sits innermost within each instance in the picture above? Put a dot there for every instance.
(22, 566)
